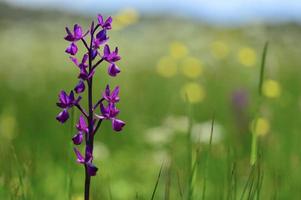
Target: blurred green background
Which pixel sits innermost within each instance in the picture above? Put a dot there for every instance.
(163, 58)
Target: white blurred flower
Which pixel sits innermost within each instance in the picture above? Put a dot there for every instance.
(158, 135)
(201, 132)
(177, 123)
(160, 157)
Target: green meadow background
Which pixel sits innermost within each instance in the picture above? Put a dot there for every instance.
(176, 74)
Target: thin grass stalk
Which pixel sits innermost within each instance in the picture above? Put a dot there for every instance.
(168, 183)
(207, 159)
(157, 182)
(253, 157)
(19, 170)
(179, 185)
(248, 182)
(189, 149)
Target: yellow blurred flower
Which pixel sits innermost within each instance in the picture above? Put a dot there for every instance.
(192, 67)
(125, 18)
(77, 197)
(178, 50)
(247, 56)
(219, 49)
(167, 67)
(193, 92)
(7, 126)
(271, 89)
(261, 126)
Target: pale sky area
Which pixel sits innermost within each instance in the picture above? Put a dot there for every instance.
(217, 11)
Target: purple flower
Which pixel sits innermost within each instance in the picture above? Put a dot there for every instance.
(80, 87)
(113, 69)
(63, 116)
(89, 123)
(110, 56)
(109, 113)
(83, 64)
(78, 138)
(81, 125)
(84, 74)
(80, 158)
(111, 97)
(105, 24)
(71, 49)
(92, 169)
(117, 124)
(100, 39)
(94, 53)
(67, 101)
(76, 35)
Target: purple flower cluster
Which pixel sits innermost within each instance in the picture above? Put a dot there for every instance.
(97, 51)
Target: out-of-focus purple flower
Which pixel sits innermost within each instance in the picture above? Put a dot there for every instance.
(82, 125)
(78, 138)
(113, 69)
(63, 116)
(67, 101)
(71, 49)
(80, 87)
(105, 24)
(111, 97)
(117, 124)
(240, 99)
(110, 56)
(76, 35)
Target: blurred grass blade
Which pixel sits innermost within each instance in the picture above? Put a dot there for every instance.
(167, 184)
(180, 186)
(19, 171)
(189, 148)
(248, 182)
(262, 67)
(253, 156)
(157, 182)
(207, 158)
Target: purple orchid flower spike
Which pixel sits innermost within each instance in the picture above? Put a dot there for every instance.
(105, 24)
(89, 122)
(72, 49)
(76, 35)
(110, 56)
(111, 97)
